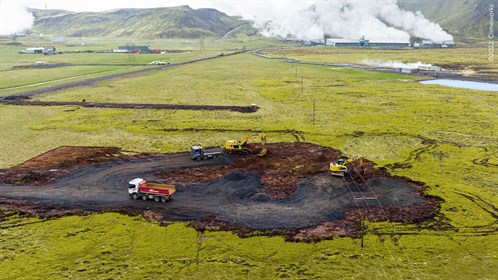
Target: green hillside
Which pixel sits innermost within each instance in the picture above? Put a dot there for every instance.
(466, 20)
(171, 22)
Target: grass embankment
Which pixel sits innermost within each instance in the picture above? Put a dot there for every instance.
(472, 61)
(430, 133)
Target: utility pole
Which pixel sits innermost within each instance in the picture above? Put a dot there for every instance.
(131, 55)
(362, 231)
(314, 112)
(202, 44)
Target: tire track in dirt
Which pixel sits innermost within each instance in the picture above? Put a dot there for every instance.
(481, 203)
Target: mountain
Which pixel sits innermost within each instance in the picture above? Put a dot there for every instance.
(171, 22)
(466, 20)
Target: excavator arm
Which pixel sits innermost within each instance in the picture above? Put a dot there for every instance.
(264, 150)
(234, 145)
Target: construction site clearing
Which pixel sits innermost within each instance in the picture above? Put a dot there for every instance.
(290, 191)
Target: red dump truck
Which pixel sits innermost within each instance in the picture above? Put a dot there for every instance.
(138, 188)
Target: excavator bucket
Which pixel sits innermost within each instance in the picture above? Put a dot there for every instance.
(338, 174)
(263, 152)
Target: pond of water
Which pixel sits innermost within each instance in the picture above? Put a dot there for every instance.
(462, 84)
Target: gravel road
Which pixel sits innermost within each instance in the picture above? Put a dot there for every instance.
(233, 198)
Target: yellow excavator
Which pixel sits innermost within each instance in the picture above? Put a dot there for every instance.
(241, 146)
(345, 166)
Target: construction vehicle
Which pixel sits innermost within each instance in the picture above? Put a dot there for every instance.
(345, 166)
(198, 153)
(241, 146)
(138, 188)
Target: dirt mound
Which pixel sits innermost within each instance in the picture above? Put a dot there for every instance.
(56, 163)
(24, 101)
(279, 171)
(32, 209)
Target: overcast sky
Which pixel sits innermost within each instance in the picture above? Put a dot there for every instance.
(101, 5)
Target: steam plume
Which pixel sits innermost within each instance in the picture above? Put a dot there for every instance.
(376, 19)
(394, 64)
(14, 18)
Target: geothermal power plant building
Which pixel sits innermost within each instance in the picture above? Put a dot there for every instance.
(342, 43)
(383, 44)
(137, 49)
(366, 43)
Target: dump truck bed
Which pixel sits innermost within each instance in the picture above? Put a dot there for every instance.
(158, 188)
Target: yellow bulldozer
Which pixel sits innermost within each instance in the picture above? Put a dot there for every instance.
(345, 166)
(241, 146)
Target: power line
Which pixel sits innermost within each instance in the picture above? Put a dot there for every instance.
(389, 222)
(363, 218)
(371, 212)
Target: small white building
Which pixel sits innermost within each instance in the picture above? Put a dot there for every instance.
(34, 50)
(38, 50)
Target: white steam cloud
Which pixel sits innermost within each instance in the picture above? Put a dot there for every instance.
(14, 18)
(351, 19)
(394, 64)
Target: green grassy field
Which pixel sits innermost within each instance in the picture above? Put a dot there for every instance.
(113, 246)
(15, 80)
(442, 136)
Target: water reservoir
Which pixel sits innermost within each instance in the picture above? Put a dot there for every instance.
(462, 84)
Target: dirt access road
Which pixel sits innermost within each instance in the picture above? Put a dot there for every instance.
(235, 195)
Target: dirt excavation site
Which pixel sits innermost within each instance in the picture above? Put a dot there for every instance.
(289, 191)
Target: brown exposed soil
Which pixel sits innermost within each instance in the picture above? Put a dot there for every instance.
(33, 209)
(279, 171)
(56, 163)
(288, 192)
